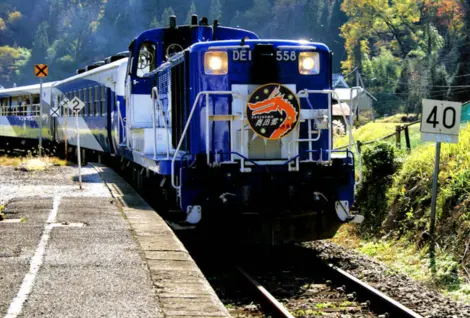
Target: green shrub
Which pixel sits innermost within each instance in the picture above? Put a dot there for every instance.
(410, 195)
(380, 163)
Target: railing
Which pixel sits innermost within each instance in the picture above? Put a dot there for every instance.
(396, 134)
(156, 97)
(305, 94)
(188, 122)
(243, 157)
(123, 123)
(23, 110)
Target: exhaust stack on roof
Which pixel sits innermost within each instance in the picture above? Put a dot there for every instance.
(194, 19)
(172, 22)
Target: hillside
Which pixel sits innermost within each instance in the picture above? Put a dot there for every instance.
(72, 34)
(425, 53)
(396, 199)
(379, 129)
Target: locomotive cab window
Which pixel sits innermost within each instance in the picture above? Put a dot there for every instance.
(146, 61)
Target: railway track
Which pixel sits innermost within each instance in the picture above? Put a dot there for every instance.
(329, 289)
(353, 296)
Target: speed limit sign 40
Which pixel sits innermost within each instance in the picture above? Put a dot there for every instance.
(440, 120)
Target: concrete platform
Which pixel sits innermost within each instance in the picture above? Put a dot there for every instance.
(99, 252)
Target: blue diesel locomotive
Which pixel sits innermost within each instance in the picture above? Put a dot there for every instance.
(229, 125)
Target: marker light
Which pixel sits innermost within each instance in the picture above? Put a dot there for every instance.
(216, 63)
(309, 63)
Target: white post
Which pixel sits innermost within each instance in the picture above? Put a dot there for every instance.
(40, 117)
(66, 116)
(79, 153)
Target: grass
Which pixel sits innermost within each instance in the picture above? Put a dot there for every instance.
(10, 161)
(404, 257)
(409, 201)
(31, 163)
(394, 119)
(376, 130)
(410, 195)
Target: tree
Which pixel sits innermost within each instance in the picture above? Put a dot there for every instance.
(40, 44)
(167, 13)
(12, 60)
(285, 11)
(335, 41)
(216, 10)
(257, 18)
(386, 23)
(192, 10)
(155, 23)
(115, 29)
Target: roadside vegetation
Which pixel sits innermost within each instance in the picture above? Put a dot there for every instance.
(395, 198)
(30, 163)
(380, 128)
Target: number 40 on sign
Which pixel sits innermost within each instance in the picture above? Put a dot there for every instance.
(440, 121)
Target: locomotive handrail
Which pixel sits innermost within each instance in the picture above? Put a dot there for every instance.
(351, 139)
(242, 156)
(313, 151)
(298, 155)
(188, 122)
(310, 152)
(305, 93)
(301, 94)
(156, 95)
(229, 47)
(122, 122)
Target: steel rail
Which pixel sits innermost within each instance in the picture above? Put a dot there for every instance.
(376, 297)
(277, 307)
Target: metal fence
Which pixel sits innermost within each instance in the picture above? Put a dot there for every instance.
(397, 135)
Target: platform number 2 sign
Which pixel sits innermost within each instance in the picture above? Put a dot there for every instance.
(76, 105)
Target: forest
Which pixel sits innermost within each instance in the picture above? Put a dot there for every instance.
(405, 50)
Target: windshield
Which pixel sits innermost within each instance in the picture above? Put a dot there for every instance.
(146, 61)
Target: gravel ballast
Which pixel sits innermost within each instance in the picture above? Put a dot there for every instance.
(415, 295)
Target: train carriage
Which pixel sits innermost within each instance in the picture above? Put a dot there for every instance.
(101, 88)
(232, 128)
(19, 115)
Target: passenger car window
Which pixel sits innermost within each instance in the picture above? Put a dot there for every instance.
(146, 61)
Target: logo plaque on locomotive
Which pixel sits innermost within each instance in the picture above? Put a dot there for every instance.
(273, 111)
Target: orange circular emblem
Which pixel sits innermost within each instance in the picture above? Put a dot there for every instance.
(273, 111)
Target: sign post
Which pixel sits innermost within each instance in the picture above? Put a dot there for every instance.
(79, 152)
(434, 189)
(76, 105)
(440, 122)
(40, 70)
(63, 105)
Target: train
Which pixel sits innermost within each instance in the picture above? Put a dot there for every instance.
(221, 125)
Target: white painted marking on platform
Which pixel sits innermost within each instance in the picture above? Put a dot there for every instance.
(16, 305)
(66, 224)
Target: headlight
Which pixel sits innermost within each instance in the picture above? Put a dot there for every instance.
(309, 63)
(216, 63)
